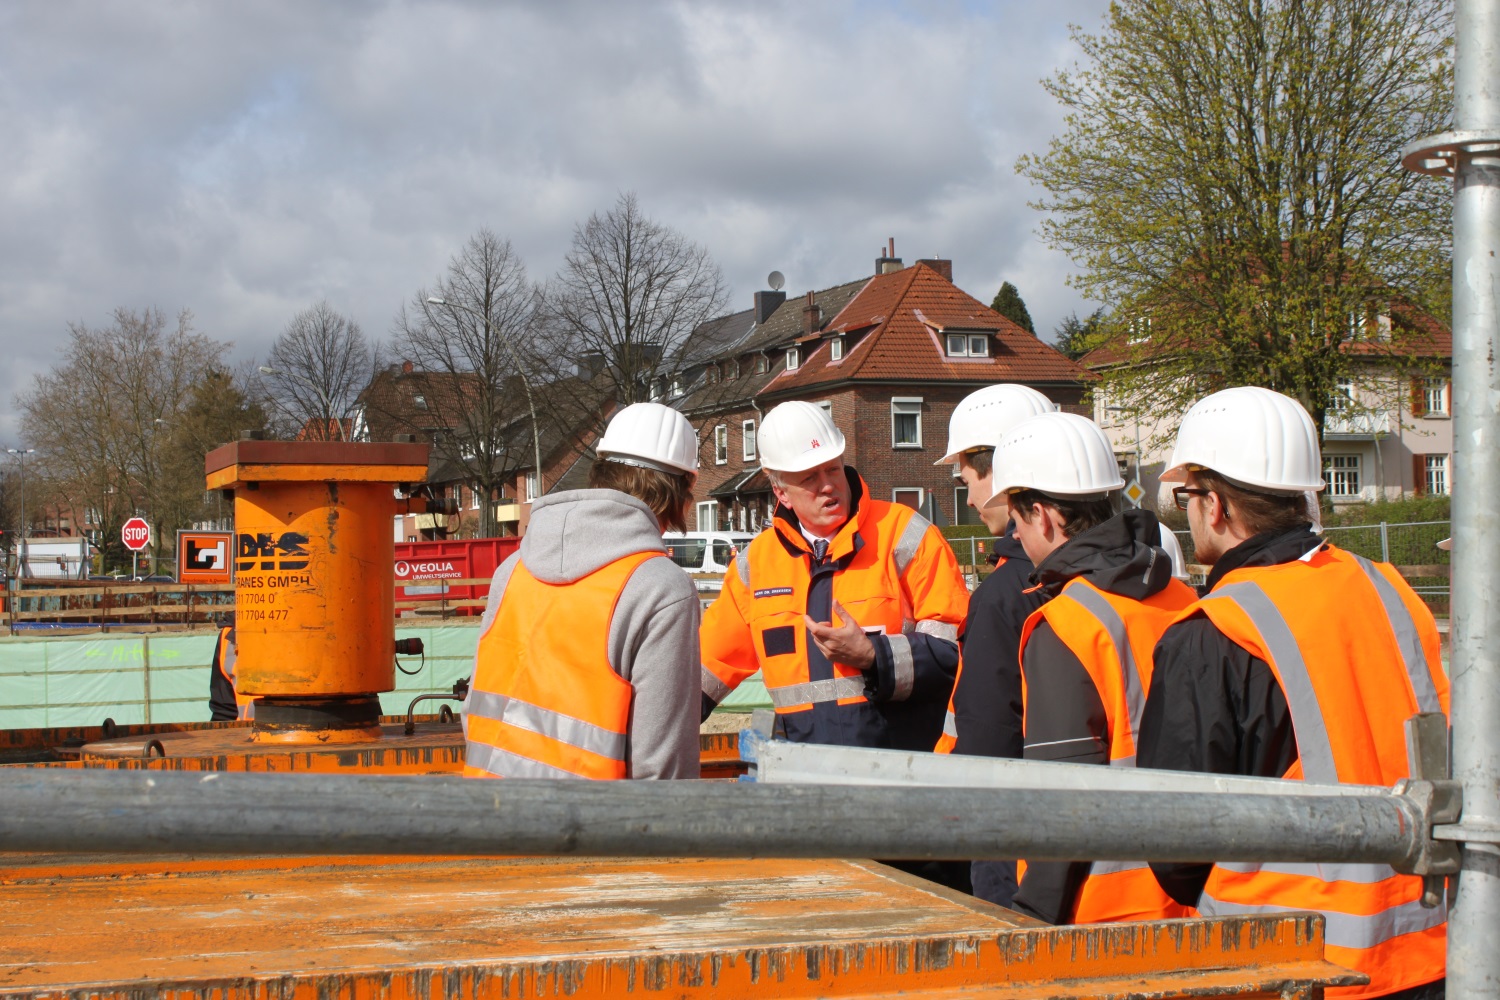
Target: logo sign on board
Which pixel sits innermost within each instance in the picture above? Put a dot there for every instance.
(203, 556)
(136, 534)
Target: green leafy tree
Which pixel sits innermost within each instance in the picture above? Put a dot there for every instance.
(1229, 183)
(1008, 303)
(1076, 337)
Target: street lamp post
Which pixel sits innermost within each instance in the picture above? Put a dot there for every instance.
(322, 396)
(22, 453)
(1136, 414)
(536, 441)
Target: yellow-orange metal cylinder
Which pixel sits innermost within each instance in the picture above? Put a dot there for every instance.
(313, 588)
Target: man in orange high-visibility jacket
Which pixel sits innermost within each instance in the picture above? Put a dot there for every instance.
(1086, 653)
(1301, 661)
(849, 606)
(225, 703)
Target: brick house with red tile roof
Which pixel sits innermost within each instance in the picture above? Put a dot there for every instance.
(890, 356)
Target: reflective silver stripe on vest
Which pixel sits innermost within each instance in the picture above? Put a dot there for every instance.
(950, 726)
(1313, 746)
(1329, 872)
(1114, 626)
(504, 764)
(909, 542)
(715, 689)
(1113, 867)
(938, 630)
(553, 725)
(1408, 639)
(742, 565)
(813, 692)
(1346, 930)
(905, 667)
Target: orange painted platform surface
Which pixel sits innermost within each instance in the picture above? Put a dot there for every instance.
(434, 748)
(423, 929)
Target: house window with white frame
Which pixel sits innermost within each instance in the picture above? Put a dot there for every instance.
(747, 438)
(721, 444)
(836, 349)
(530, 486)
(1341, 472)
(732, 369)
(1436, 469)
(911, 496)
(793, 358)
(1435, 395)
(1342, 397)
(967, 345)
(906, 422)
(762, 364)
(473, 497)
(707, 515)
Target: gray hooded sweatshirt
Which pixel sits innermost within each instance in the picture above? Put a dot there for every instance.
(653, 637)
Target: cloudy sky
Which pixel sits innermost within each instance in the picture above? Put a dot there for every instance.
(247, 160)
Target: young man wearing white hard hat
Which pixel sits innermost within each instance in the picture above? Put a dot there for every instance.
(1085, 654)
(984, 713)
(587, 664)
(849, 606)
(1301, 660)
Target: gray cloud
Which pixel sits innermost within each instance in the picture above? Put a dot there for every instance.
(244, 161)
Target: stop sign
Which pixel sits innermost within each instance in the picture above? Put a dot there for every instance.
(136, 534)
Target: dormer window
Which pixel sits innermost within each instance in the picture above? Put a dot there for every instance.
(968, 345)
(713, 374)
(836, 349)
(762, 364)
(1140, 331)
(732, 369)
(420, 402)
(793, 358)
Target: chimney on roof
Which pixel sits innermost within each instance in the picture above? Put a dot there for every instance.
(589, 365)
(406, 368)
(812, 316)
(767, 303)
(890, 262)
(941, 265)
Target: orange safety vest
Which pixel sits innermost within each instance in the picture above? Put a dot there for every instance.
(949, 739)
(902, 578)
(1113, 637)
(544, 702)
(228, 656)
(1356, 653)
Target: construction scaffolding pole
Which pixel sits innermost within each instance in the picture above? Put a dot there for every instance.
(167, 812)
(1471, 156)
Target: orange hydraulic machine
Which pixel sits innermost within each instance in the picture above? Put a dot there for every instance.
(313, 588)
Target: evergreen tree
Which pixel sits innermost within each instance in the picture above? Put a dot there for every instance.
(1008, 303)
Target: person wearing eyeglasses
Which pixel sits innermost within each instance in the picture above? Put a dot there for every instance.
(1300, 661)
(1086, 652)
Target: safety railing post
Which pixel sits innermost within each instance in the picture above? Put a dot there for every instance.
(1385, 542)
(1470, 154)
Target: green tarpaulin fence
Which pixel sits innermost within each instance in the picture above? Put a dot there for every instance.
(163, 677)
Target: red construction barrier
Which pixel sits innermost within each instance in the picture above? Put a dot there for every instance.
(424, 571)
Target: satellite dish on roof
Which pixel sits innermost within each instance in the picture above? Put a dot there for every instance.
(776, 280)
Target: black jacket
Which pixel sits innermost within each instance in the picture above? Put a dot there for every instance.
(221, 704)
(987, 699)
(1213, 706)
(1065, 717)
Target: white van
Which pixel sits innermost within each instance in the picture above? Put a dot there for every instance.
(705, 551)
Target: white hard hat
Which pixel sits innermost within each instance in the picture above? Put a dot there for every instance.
(1173, 549)
(981, 418)
(797, 436)
(1061, 454)
(1254, 438)
(651, 436)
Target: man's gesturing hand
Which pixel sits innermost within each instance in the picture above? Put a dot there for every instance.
(843, 643)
